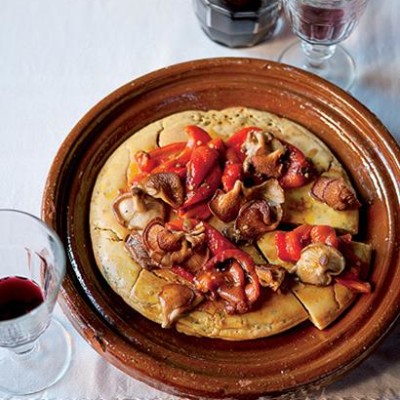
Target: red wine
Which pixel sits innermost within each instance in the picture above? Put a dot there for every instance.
(18, 296)
(328, 24)
(321, 23)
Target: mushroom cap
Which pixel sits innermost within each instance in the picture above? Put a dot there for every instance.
(335, 192)
(166, 186)
(226, 206)
(175, 300)
(318, 263)
(136, 209)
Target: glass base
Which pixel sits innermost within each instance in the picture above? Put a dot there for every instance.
(39, 368)
(339, 69)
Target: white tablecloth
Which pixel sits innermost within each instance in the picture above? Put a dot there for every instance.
(60, 57)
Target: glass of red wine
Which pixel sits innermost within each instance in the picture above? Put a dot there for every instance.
(35, 349)
(321, 25)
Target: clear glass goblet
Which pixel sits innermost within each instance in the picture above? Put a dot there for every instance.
(321, 25)
(35, 350)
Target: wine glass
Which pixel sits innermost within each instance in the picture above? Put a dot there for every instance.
(35, 350)
(321, 25)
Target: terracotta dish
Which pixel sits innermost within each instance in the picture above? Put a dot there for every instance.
(300, 359)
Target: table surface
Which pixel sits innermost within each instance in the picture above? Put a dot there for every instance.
(58, 58)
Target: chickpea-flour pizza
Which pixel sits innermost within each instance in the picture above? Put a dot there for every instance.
(233, 224)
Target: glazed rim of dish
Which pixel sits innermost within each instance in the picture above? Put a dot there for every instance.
(300, 359)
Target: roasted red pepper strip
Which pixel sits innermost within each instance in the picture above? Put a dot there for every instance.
(352, 282)
(299, 170)
(232, 156)
(233, 169)
(175, 156)
(217, 144)
(197, 136)
(148, 161)
(324, 234)
(182, 224)
(176, 163)
(303, 232)
(293, 246)
(200, 211)
(203, 160)
(232, 173)
(238, 138)
(280, 246)
(290, 244)
(205, 190)
(216, 241)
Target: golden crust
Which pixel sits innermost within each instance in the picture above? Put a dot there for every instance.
(139, 288)
(277, 313)
(323, 304)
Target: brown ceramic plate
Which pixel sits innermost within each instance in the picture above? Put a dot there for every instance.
(298, 359)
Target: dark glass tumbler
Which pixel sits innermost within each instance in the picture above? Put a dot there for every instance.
(238, 23)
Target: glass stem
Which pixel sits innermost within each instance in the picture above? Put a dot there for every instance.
(24, 350)
(317, 55)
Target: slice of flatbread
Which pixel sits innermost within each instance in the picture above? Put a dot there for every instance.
(300, 208)
(277, 313)
(324, 304)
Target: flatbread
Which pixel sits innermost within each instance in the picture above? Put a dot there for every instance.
(139, 288)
